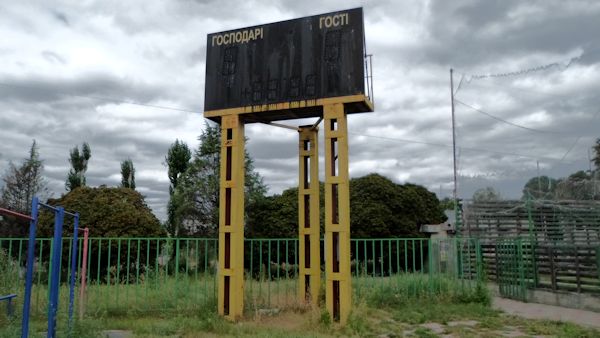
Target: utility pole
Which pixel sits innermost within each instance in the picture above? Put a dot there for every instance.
(538, 179)
(454, 192)
(592, 175)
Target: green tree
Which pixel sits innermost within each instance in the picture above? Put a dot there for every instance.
(127, 174)
(487, 194)
(177, 160)
(447, 203)
(596, 158)
(276, 216)
(79, 163)
(382, 208)
(379, 208)
(578, 186)
(106, 211)
(197, 194)
(21, 183)
(542, 187)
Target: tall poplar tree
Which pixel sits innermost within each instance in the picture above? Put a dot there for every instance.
(79, 163)
(127, 174)
(177, 160)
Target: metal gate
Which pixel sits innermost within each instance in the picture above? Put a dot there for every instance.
(515, 267)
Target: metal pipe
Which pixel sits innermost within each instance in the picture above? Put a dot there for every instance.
(84, 272)
(72, 214)
(285, 126)
(30, 262)
(48, 206)
(56, 262)
(73, 270)
(14, 214)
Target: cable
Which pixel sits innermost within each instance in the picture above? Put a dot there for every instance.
(578, 138)
(459, 148)
(523, 71)
(520, 90)
(105, 99)
(505, 121)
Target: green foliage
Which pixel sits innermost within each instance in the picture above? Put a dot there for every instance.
(127, 174)
(79, 163)
(380, 208)
(447, 203)
(8, 269)
(197, 193)
(404, 289)
(177, 160)
(107, 212)
(578, 186)
(487, 194)
(325, 318)
(276, 216)
(542, 187)
(23, 182)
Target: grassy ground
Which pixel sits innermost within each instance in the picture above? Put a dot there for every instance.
(409, 305)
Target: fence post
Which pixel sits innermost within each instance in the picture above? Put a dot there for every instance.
(521, 267)
(430, 263)
(550, 251)
(598, 261)
(479, 260)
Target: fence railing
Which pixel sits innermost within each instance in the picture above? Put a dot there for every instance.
(161, 274)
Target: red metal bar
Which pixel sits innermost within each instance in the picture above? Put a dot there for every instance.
(83, 273)
(14, 214)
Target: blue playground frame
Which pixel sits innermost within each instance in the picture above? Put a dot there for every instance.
(59, 215)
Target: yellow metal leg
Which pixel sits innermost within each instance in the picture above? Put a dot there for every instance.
(338, 296)
(231, 219)
(308, 216)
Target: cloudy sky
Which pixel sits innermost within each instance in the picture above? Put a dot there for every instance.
(105, 72)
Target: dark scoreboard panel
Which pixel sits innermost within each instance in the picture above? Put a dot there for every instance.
(309, 58)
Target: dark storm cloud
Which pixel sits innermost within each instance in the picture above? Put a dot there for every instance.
(61, 17)
(91, 85)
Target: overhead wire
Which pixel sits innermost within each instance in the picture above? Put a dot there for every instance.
(450, 146)
(505, 121)
(578, 138)
(115, 100)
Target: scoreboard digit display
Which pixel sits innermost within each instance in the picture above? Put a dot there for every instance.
(310, 58)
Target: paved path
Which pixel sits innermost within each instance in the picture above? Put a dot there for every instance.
(551, 312)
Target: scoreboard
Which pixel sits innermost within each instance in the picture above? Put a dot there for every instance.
(310, 58)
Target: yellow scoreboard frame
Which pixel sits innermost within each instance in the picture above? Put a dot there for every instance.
(333, 110)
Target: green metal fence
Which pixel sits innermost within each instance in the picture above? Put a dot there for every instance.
(140, 275)
(516, 267)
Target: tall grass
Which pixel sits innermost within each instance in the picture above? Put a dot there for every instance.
(402, 289)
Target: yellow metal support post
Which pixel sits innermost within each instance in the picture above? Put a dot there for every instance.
(338, 296)
(308, 216)
(231, 219)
